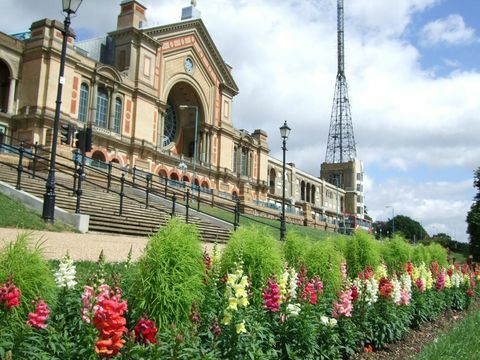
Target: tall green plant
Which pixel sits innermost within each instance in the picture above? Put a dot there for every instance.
(396, 252)
(168, 277)
(324, 260)
(295, 249)
(260, 253)
(362, 251)
(421, 254)
(438, 253)
(31, 272)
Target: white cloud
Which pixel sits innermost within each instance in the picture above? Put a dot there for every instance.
(284, 57)
(451, 30)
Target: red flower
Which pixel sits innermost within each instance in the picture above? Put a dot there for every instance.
(10, 294)
(470, 293)
(271, 296)
(355, 293)
(420, 285)
(385, 287)
(207, 260)
(450, 272)
(145, 332)
(309, 293)
(409, 268)
(440, 280)
(38, 318)
(110, 323)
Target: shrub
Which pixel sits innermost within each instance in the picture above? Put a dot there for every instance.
(168, 277)
(396, 252)
(296, 248)
(258, 250)
(421, 254)
(324, 260)
(362, 251)
(437, 253)
(32, 274)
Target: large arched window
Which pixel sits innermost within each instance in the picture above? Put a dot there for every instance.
(117, 120)
(271, 184)
(170, 125)
(5, 84)
(102, 108)
(83, 106)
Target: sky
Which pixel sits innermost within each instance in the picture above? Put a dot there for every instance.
(413, 70)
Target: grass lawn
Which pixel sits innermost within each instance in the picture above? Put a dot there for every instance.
(462, 342)
(271, 225)
(14, 214)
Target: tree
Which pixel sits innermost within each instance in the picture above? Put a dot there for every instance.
(473, 219)
(411, 229)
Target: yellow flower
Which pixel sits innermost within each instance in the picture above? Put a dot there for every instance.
(240, 327)
(232, 303)
(448, 282)
(244, 281)
(227, 317)
(240, 291)
(231, 279)
(243, 301)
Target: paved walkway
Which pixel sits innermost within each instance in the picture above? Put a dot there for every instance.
(83, 246)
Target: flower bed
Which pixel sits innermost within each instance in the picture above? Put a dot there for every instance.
(290, 314)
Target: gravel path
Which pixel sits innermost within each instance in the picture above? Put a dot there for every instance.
(83, 246)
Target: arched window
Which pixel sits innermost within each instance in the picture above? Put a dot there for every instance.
(244, 162)
(313, 194)
(302, 191)
(308, 192)
(117, 120)
(102, 108)
(170, 125)
(272, 180)
(83, 106)
(4, 86)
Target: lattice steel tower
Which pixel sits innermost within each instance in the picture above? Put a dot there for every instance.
(341, 142)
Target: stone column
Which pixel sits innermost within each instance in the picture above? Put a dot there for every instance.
(209, 156)
(11, 96)
(204, 147)
(111, 116)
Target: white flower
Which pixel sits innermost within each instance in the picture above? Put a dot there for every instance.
(371, 291)
(332, 322)
(293, 309)
(65, 276)
(324, 320)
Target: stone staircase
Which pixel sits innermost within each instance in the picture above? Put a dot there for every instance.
(103, 206)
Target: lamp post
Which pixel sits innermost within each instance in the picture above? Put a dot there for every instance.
(70, 7)
(393, 218)
(186, 107)
(284, 132)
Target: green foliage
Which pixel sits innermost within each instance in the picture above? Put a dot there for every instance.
(258, 250)
(396, 252)
(437, 253)
(295, 249)
(168, 277)
(32, 274)
(421, 254)
(362, 251)
(473, 219)
(324, 260)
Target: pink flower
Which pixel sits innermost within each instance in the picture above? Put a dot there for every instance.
(404, 297)
(345, 306)
(87, 299)
(420, 285)
(38, 318)
(343, 269)
(271, 296)
(440, 280)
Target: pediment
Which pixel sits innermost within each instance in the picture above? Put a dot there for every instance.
(198, 29)
(109, 72)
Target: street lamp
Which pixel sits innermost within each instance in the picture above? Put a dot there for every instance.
(393, 218)
(186, 107)
(284, 132)
(69, 7)
(183, 168)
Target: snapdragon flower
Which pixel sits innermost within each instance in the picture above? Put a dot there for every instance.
(65, 275)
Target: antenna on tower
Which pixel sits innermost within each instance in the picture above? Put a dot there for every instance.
(341, 141)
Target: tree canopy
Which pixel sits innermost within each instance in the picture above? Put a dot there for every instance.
(473, 219)
(411, 229)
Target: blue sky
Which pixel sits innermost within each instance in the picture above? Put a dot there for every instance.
(414, 82)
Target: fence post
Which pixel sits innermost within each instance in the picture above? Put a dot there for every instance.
(81, 176)
(147, 190)
(21, 150)
(109, 178)
(1, 139)
(35, 154)
(236, 215)
(174, 200)
(198, 197)
(187, 206)
(166, 186)
(134, 174)
(122, 183)
(75, 172)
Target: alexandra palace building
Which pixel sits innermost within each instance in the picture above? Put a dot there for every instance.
(143, 90)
